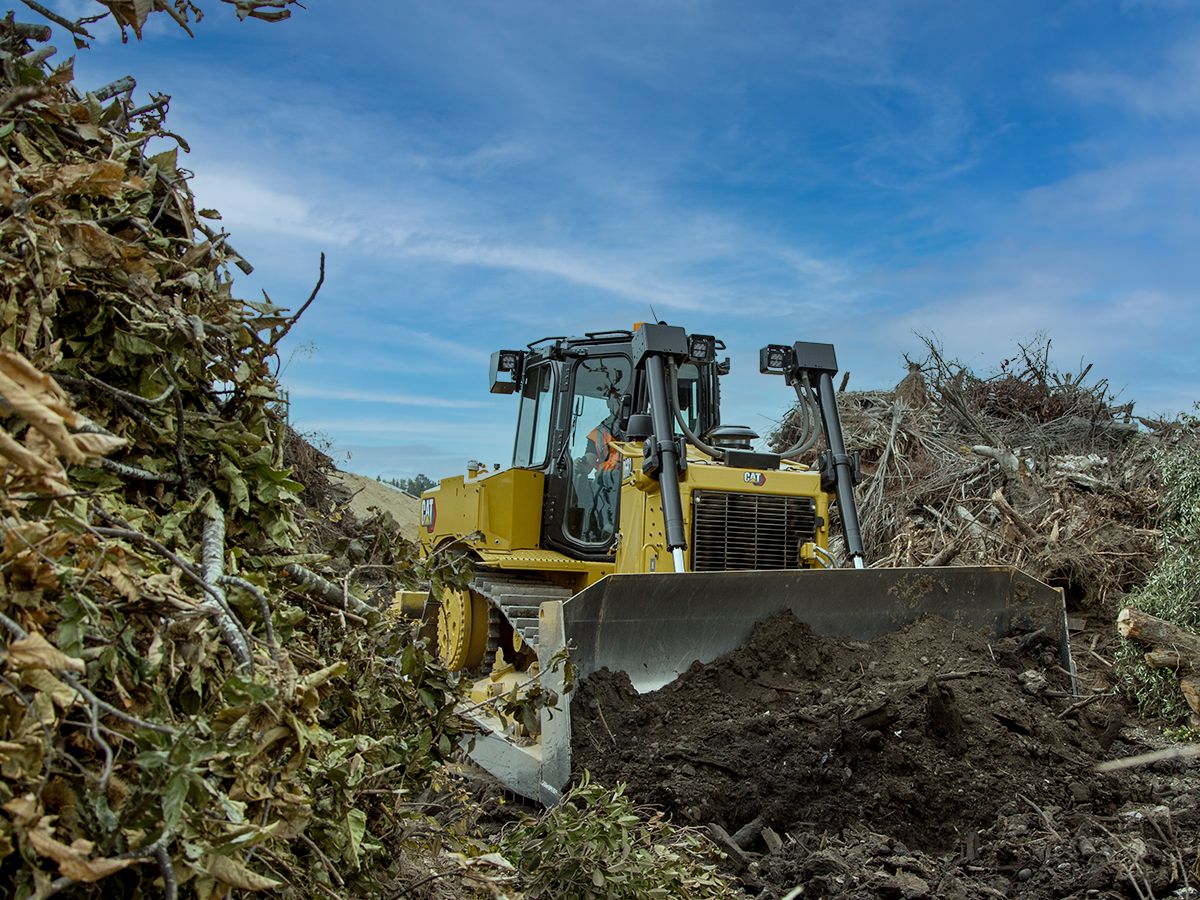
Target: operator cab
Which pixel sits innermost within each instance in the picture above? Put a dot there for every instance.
(576, 397)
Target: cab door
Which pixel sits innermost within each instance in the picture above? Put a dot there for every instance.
(583, 485)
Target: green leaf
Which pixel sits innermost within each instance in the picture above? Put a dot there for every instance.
(173, 799)
(356, 827)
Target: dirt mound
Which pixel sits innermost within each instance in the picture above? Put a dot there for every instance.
(928, 746)
(367, 495)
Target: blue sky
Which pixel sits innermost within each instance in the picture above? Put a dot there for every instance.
(483, 174)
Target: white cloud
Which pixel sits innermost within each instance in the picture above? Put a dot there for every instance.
(247, 199)
(352, 395)
(1171, 91)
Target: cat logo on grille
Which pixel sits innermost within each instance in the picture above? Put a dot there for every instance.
(758, 479)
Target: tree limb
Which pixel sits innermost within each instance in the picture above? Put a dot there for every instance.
(287, 326)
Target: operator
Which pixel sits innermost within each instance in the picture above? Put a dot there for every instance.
(601, 455)
(603, 459)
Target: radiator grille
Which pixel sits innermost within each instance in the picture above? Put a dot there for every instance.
(733, 531)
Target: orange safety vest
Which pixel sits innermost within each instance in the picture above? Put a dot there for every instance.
(607, 456)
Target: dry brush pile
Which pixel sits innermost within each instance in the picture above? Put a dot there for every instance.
(1035, 468)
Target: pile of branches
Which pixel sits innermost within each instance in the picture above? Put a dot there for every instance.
(193, 697)
(1028, 466)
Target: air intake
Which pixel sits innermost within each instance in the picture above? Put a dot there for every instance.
(749, 530)
(732, 437)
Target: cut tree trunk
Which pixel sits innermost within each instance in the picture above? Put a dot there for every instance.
(1169, 659)
(1158, 633)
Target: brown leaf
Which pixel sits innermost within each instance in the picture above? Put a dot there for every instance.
(73, 861)
(23, 809)
(35, 652)
(238, 875)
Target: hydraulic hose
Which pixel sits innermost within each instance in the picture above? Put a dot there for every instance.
(692, 438)
(808, 421)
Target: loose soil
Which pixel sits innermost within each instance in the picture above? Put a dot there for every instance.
(928, 762)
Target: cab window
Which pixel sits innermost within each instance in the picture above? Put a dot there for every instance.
(533, 419)
(595, 482)
(689, 396)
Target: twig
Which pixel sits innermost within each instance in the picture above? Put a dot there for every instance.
(238, 260)
(160, 102)
(1041, 812)
(433, 876)
(170, 885)
(1074, 707)
(127, 471)
(946, 554)
(326, 590)
(19, 96)
(39, 56)
(180, 19)
(604, 722)
(180, 455)
(94, 730)
(74, 27)
(31, 31)
(1012, 515)
(122, 85)
(287, 326)
(222, 605)
(212, 561)
(1144, 759)
(329, 867)
(117, 392)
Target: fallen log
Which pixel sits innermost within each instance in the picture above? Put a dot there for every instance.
(1168, 659)
(1157, 633)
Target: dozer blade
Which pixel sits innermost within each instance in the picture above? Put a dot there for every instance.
(653, 627)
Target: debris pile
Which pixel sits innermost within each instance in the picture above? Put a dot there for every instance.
(194, 696)
(1028, 467)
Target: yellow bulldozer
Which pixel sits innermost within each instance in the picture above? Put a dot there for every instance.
(635, 531)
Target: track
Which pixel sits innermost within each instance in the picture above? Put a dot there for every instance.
(517, 597)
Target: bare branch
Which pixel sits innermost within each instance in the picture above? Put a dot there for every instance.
(74, 27)
(263, 606)
(122, 85)
(287, 326)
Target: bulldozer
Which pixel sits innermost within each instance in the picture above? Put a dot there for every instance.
(638, 532)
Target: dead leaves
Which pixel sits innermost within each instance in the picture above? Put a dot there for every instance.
(35, 652)
(75, 860)
(37, 399)
(229, 871)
